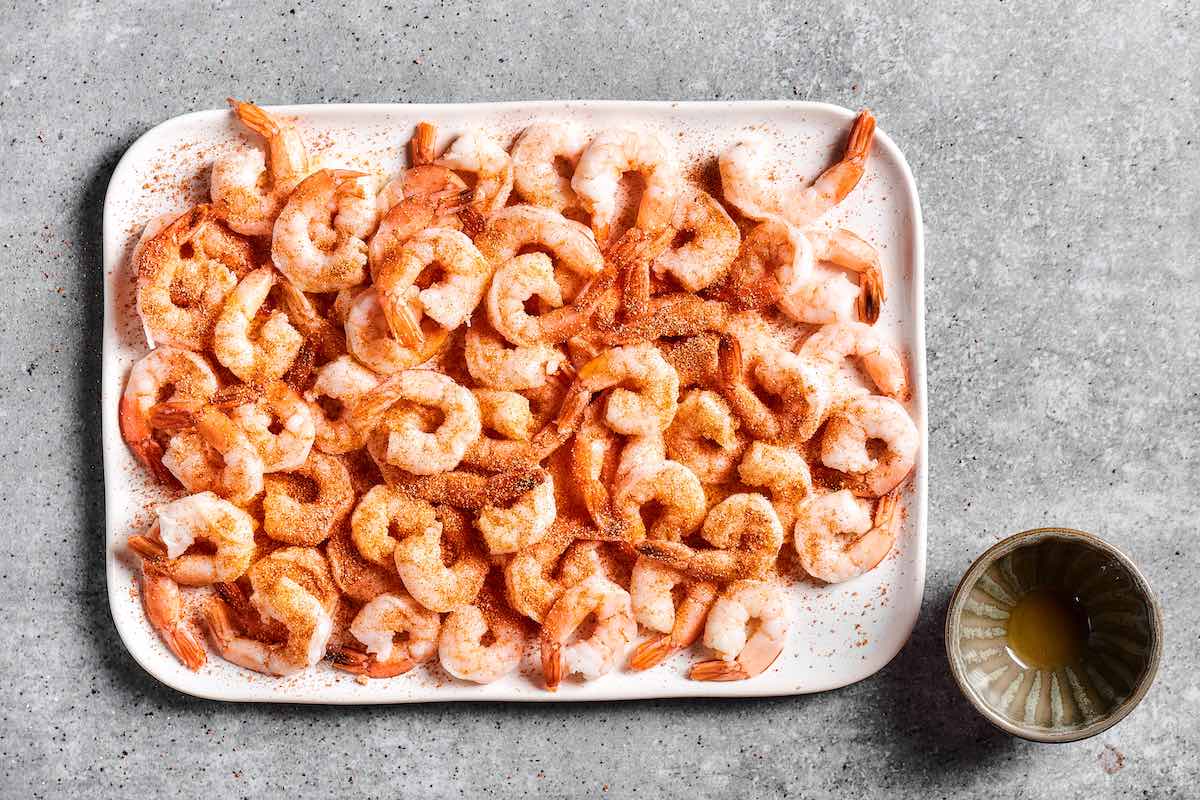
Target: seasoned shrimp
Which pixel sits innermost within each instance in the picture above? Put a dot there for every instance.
(507, 529)
(337, 388)
(184, 273)
(199, 517)
(746, 536)
(411, 448)
(383, 511)
(186, 374)
(821, 300)
(164, 611)
(256, 353)
(535, 158)
(326, 338)
(652, 589)
(359, 579)
(836, 538)
(461, 647)
(704, 436)
(478, 153)
(449, 301)
(592, 463)
(747, 186)
(781, 471)
(610, 155)
(248, 186)
(614, 629)
(240, 478)
(530, 583)
(801, 393)
(649, 406)
(398, 634)
(711, 245)
(833, 344)
(852, 427)
(319, 238)
(291, 586)
(279, 406)
(742, 654)
(425, 196)
(570, 244)
(369, 337)
(507, 413)
(290, 515)
(672, 488)
(421, 561)
(495, 364)
(517, 281)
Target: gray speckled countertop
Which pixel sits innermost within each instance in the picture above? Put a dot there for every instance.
(1056, 149)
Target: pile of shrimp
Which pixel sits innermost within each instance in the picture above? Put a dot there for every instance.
(494, 404)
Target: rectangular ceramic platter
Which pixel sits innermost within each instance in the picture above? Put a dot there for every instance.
(840, 634)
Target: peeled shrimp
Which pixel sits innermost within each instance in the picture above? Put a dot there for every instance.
(185, 272)
(535, 157)
(801, 392)
(852, 426)
(746, 536)
(369, 337)
(398, 634)
(200, 517)
(836, 538)
(597, 654)
(289, 448)
(651, 589)
(255, 353)
(426, 196)
(517, 281)
(319, 238)
(495, 364)
(164, 611)
(649, 406)
(358, 579)
(820, 300)
(476, 152)
(704, 436)
(461, 649)
(674, 489)
(299, 520)
(833, 344)
(421, 561)
(783, 472)
(240, 477)
(615, 152)
(342, 382)
(742, 654)
(512, 528)
(507, 413)
(384, 510)
(530, 583)
(570, 244)
(711, 248)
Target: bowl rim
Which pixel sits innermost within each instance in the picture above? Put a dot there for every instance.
(1033, 734)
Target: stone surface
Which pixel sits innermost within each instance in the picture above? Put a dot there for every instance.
(1056, 149)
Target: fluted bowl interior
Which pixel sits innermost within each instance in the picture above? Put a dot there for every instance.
(1114, 666)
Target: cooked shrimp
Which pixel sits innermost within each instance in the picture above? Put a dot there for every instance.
(507, 529)
(337, 388)
(184, 274)
(495, 364)
(535, 158)
(321, 334)
(570, 244)
(598, 598)
(192, 461)
(833, 344)
(746, 536)
(461, 647)
(852, 427)
(199, 517)
(652, 586)
(649, 406)
(398, 634)
(478, 153)
(164, 611)
(592, 468)
(186, 374)
(269, 354)
(610, 155)
(836, 539)
(319, 238)
(530, 583)
(292, 586)
(383, 511)
(240, 478)
(742, 654)
(704, 436)
(711, 246)
(678, 314)
(426, 196)
(517, 281)
(781, 471)
(279, 405)
(801, 393)
(694, 358)
(249, 187)
(507, 413)
(290, 516)
(747, 186)
(449, 301)
(359, 579)
(822, 300)
(421, 561)
(672, 488)
(369, 337)
(413, 449)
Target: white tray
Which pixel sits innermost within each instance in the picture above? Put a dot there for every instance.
(840, 634)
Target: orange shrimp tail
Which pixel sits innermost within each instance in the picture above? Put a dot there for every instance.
(172, 417)
(146, 547)
(472, 221)
(404, 324)
(652, 652)
(718, 670)
(552, 664)
(254, 117)
(218, 624)
(357, 662)
(729, 361)
(186, 646)
(862, 133)
(422, 144)
(870, 299)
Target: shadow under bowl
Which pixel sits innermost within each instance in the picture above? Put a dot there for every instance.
(1119, 658)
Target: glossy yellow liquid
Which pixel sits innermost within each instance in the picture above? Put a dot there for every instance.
(1047, 630)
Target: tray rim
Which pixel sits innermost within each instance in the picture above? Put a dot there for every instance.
(918, 510)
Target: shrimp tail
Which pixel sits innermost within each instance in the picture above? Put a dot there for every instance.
(218, 623)
(652, 652)
(147, 548)
(357, 662)
(870, 299)
(186, 646)
(718, 670)
(552, 663)
(254, 118)
(404, 324)
(422, 144)
(862, 133)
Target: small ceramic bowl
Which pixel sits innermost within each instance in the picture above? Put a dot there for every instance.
(1120, 657)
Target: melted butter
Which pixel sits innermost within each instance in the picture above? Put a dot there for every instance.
(1047, 630)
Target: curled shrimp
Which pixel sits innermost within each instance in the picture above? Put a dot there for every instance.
(202, 517)
(357, 578)
(385, 510)
(164, 610)
(783, 472)
(597, 654)
(820, 300)
(239, 477)
(507, 413)
(530, 583)
(184, 273)
(711, 240)
(507, 529)
(461, 648)
(592, 467)
(535, 158)
(293, 587)
(649, 405)
(398, 634)
(450, 301)
(266, 356)
(836, 538)
(369, 337)
(852, 427)
(704, 436)
(517, 281)
(338, 386)
(747, 186)
(743, 654)
(746, 536)
(292, 516)
(652, 589)
(248, 186)
(411, 448)
(672, 488)
(497, 365)
(517, 228)
(476, 152)
(800, 392)
(322, 335)
(186, 374)
(279, 407)
(319, 238)
(426, 196)
(441, 566)
(611, 154)
(831, 345)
